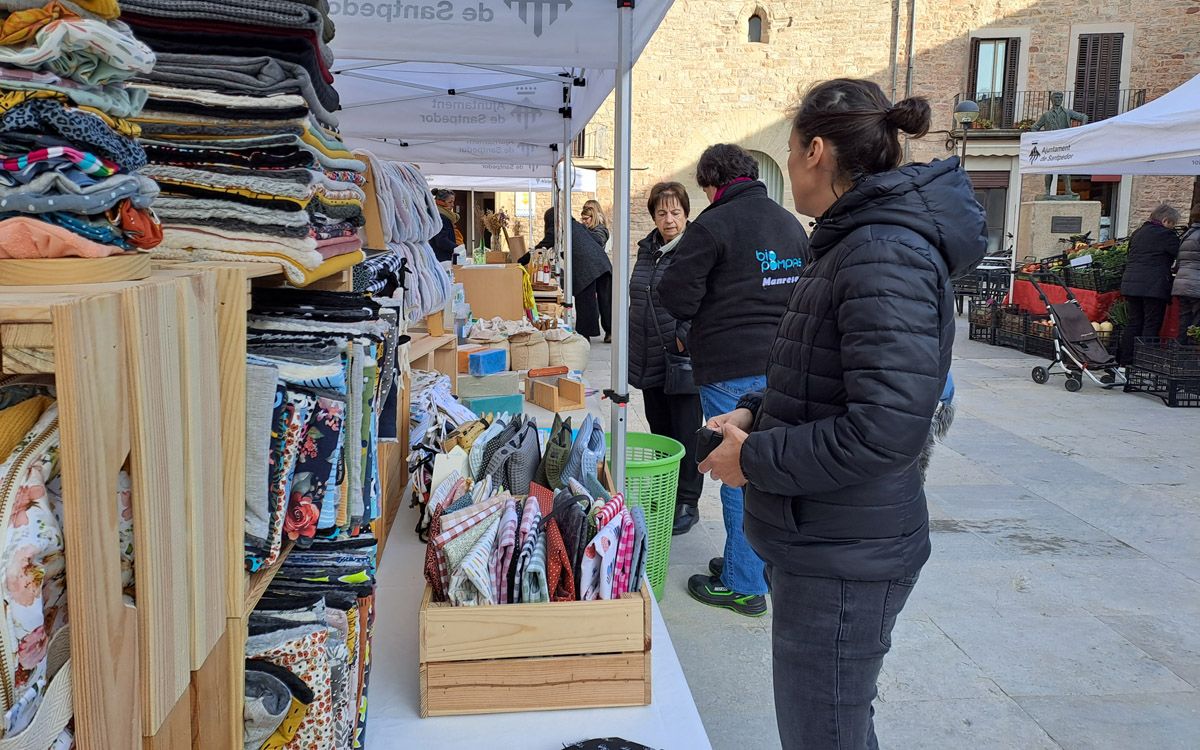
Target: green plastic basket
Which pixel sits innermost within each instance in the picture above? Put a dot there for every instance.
(651, 478)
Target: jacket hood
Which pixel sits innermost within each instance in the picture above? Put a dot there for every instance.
(934, 200)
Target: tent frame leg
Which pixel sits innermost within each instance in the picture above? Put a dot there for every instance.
(619, 391)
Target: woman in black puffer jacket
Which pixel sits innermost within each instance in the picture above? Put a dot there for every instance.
(651, 331)
(829, 452)
(1187, 277)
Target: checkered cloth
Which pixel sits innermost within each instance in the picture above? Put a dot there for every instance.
(641, 536)
(455, 525)
(610, 510)
(527, 537)
(625, 547)
(534, 585)
(506, 542)
(523, 459)
(471, 585)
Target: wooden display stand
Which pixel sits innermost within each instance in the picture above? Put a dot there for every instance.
(122, 355)
(534, 657)
(556, 394)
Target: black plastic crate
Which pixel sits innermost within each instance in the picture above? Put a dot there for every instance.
(1111, 340)
(1174, 392)
(1167, 357)
(1095, 279)
(981, 320)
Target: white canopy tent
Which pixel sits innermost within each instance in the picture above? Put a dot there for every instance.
(585, 181)
(1161, 137)
(500, 82)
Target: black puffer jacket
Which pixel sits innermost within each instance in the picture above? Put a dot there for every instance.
(1187, 276)
(834, 484)
(732, 275)
(1152, 252)
(647, 366)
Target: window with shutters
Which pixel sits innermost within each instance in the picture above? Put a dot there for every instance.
(1098, 75)
(770, 175)
(992, 79)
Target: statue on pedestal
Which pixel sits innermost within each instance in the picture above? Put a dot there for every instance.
(1059, 117)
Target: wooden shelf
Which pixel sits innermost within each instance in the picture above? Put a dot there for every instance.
(261, 579)
(422, 344)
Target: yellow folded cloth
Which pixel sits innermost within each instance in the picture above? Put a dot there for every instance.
(17, 420)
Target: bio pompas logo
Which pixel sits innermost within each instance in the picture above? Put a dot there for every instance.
(772, 262)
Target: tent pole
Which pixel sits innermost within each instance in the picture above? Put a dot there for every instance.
(567, 171)
(619, 391)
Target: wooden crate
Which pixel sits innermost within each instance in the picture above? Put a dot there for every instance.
(534, 657)
(121, 353)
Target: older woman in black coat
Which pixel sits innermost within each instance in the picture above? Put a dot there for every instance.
(652, 332)
(590, 269)
(1146, 284)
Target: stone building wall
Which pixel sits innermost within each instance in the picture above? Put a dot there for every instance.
(700, 81)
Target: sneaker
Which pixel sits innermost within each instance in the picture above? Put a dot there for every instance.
(608, 338)
(716, 566)
(686, 517)
(708, 590)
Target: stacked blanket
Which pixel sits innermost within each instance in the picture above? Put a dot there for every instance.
(69, 156)
(239, 130)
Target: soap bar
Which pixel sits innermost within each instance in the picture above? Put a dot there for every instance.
(464, 357)
(487, 362)
(481, 405)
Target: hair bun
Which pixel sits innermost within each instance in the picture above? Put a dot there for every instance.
(912, 115)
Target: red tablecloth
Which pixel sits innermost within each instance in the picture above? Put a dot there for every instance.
(1094, 304)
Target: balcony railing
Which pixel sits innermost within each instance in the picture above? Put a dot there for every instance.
(592, 143)
(1019, 110)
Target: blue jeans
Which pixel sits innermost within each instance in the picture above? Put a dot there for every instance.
(743, 569)
(828, 641)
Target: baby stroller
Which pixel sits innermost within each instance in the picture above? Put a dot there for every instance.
(1077, 347)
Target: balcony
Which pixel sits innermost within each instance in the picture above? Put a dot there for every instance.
(592, 148)
(1018, 111)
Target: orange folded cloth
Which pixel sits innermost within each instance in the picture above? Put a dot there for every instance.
(24, 237)
(23, 25)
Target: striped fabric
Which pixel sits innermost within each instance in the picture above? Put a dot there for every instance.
(599, 563)
(506, 541)
(455, 525)
(534, 584)
(527, 540)
(87, 163)
(610, 510)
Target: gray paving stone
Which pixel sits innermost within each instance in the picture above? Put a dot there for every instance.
(1034, 655)
(992, 723)
(925, 665)
(1174, 641)
(1160, 722)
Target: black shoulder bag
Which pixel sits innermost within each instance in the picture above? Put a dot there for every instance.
(678, 380)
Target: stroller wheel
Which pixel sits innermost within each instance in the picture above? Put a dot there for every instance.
(1040, 375)
(1073, 383)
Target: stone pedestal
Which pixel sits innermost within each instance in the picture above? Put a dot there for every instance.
(1044, 223)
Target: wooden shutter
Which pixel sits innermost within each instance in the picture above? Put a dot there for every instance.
(973, 71)
(1098, 75)
(1012, 59)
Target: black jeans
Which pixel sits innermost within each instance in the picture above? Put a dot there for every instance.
(829, 637)
(1145, 321)
(593, 307)
(1189, 315)
(678, 417)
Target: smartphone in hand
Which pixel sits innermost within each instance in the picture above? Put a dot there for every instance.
(706, 442)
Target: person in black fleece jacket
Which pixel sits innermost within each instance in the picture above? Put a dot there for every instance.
(835, 502)
(731, 278)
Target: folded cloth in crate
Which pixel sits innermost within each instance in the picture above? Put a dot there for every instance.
(587, 450)
(598, 569)
(558, 449)
(90, 51)
(23, 237)
(574, 526)
(506, 546)
(641, 536)
(276, 701)
(625, 552)
(259, 76)
(454, 525)
(560, 578)
(54, 191)
(534, 579)
(80, 128)
(527, 536)
(471, 583)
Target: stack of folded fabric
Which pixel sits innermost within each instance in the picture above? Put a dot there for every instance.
(409, 218)
(498, 533)
(308, 656)
(69, 157)
(239, 129)
(321, 368)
